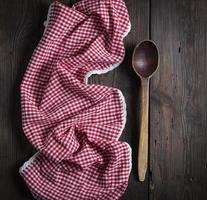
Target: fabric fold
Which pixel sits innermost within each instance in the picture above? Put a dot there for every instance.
(75, 126)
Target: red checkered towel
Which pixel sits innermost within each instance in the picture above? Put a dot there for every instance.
(75, 126)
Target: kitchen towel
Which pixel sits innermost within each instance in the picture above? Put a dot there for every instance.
(75, 126)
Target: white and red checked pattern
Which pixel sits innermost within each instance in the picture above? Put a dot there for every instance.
(73, 125)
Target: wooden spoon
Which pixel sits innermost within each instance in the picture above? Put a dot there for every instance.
(145, 63)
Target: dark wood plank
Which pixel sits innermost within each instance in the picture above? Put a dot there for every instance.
(21, 26)
(124, 78)
(178, 101)
(178, 155)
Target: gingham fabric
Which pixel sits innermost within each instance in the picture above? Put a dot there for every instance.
(75, 126)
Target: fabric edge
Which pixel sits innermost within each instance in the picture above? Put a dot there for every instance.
(121, 96)
(109, 68)
(28, 162)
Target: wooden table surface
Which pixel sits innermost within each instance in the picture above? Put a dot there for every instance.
(178, 119)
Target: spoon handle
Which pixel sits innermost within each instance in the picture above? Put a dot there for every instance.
(143, 137)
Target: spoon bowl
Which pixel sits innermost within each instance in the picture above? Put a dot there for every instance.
(145, 59)
(145, 63)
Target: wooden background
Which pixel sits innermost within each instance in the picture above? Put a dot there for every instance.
(178, 121)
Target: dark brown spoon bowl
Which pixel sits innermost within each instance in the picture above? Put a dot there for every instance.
(145, 63)
(145, 58)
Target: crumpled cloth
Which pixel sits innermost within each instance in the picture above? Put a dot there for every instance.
(75, 126)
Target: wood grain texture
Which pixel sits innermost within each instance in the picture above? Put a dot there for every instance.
(178, 101)
(178, 138)
(143, 130)
(126, 80)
